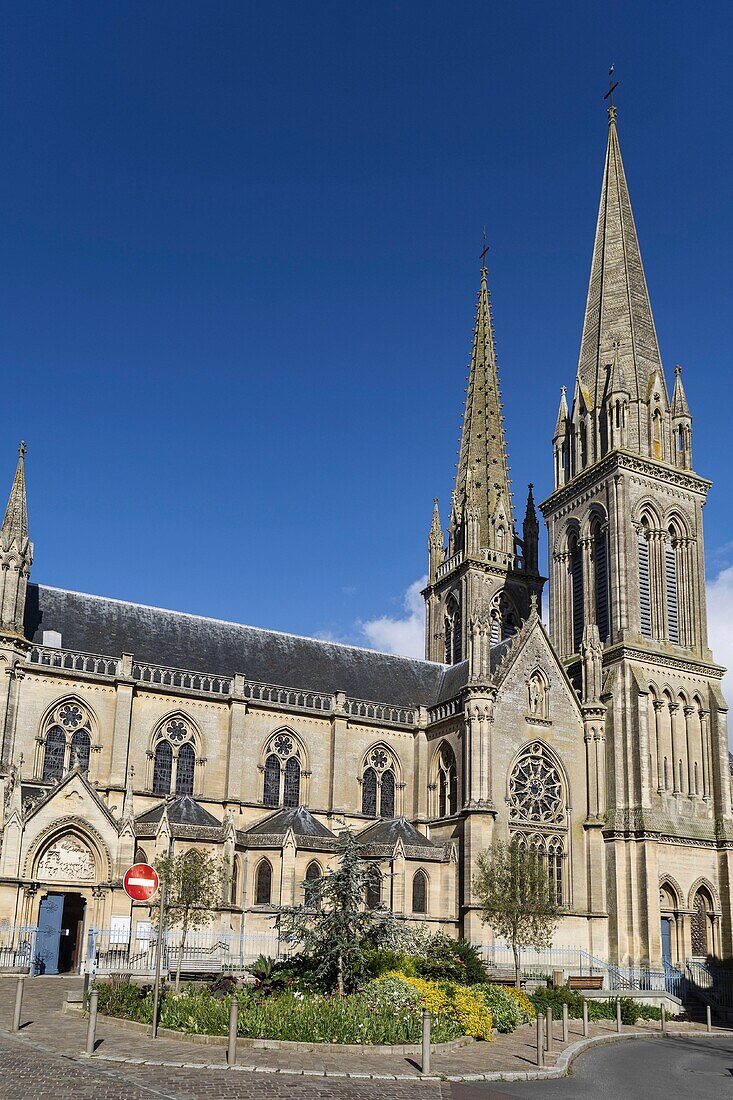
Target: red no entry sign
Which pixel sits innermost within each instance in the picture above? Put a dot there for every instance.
(140, 882)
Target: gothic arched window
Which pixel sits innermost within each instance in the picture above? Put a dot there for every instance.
(163, 768)
(670, 584)
(263, 883)
(234, 892)
(419, 892)
(283, 771)
(185, 766)
(453, 629)
(312, 876)
(53, 760)
(67, 735)
(174, 757)
(447, 781)
(600, 561)
(645, 599)
(576, 591)
(373, 894)
(537, 797)
(379, 783)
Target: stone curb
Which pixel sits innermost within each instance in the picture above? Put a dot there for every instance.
(560, 1069)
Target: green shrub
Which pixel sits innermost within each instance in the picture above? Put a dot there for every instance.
(543, 999)
(631, 1010)
(505, 1010)
(125, 999)
(452, 960)
(382, 959)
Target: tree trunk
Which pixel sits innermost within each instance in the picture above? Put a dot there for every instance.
(515, 950)
(184, 933)
(340, 975)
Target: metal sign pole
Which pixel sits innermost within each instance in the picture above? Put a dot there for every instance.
(159, 946)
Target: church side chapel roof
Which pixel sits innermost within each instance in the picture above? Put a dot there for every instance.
(182, 810)
(380, 838)
(300, 820)
(96, 624)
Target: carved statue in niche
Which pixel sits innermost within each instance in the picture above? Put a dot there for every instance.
(537, 696)
(68, 859)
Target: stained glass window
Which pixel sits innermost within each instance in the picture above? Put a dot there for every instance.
(312, 876)
(263, 884)
(369, 793)
(162, 768)
(419, 892)
(53, 761)
(447, 782)
(292, 783)
(535, 788)
(386, 803)
(185, 769)
(81, 747)
(271, 796)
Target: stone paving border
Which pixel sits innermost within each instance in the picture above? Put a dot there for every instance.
(560, 1069)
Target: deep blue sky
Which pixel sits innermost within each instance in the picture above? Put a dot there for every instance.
(239, 259)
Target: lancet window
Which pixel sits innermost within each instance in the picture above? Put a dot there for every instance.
(312, 877)
(283, 770)
(67, 740)
(379, 783)
(645, 597)
(446, 781)
(576, 591)
(599, 543)
(419, 892)
(453, 629)
(174, 757)
(263, 883)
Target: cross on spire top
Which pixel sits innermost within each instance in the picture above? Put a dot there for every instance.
(612, 86)
(485, 251)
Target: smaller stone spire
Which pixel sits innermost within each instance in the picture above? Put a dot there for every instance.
(562, 413)
(15, 524)
(679, 400)
(128, 805)
(531, 534)
(436, 549)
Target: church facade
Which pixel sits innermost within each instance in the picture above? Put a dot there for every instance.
(129, 731)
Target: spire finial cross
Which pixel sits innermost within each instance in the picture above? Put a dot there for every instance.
(612, 86)
(485, 251)
(22, 449)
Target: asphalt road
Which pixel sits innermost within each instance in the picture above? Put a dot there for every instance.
(659, 1069)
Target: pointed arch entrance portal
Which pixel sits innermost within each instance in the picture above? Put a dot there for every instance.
(59, 938)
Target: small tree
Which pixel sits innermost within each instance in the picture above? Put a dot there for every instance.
(193, 891)
(512, 886)
(337, 923)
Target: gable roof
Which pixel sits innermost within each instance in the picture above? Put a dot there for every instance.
(300, 820)
(75, 774)
(182, 810)
(388, 831)
(96, 624)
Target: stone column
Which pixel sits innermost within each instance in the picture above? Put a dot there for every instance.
(658, 704)
(673, 708)
(705, 741)
(688, 712)
(239, 780)
(125, 688)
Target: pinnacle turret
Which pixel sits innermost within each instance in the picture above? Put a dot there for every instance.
(16, 555)
(15, 524)
(679, 406)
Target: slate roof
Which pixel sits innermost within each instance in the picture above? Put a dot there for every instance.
(182, 810)
(97, 624)
(300, 820)
(389, 830)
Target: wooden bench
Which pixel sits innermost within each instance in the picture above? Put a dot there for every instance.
(585, 981)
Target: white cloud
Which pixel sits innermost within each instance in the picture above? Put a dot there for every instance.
(720, 623)
(404, 634)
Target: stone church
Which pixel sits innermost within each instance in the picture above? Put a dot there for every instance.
(600, 741)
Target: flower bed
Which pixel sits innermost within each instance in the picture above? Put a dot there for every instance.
(387, 1013)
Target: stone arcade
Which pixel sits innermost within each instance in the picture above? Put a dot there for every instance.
(602, 743)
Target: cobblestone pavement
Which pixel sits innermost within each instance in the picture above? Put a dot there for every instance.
(45, 1059)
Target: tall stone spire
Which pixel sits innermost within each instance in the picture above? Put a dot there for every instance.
(619, 336)
(482, 460)
(16, 554)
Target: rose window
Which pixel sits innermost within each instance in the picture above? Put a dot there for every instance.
(379, 759)
(535, 788)
(177, 731)
(283, 745)
(71, 716)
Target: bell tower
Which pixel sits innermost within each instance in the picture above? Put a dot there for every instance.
(485, 564)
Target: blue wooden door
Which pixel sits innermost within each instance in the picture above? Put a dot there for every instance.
(666, 939)
(48, 936)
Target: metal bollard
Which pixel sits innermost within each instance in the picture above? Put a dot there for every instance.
(664, 1020)
(565, 1024)
(233, 1021)
(540, 1040)
(92, 1025)
(709, 1018)
(425, 1063)
(548, 1044)
(618, 1015)
(586, 1029)
(18, 1002)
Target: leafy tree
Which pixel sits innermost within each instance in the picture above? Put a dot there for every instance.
(193, 884)
(512, 886)
(337, 925)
